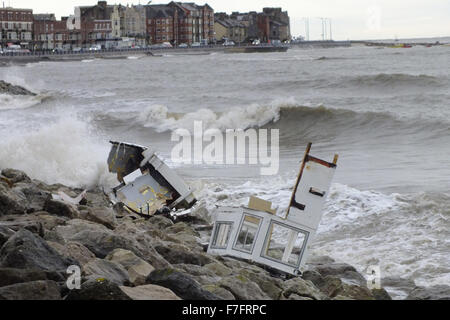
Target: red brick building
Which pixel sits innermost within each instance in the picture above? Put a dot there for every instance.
(16, 26)
(179, 22)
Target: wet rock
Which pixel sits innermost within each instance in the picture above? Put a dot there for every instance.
(15, 176)
(138, 269)
(5, 234)
(9, 276)
(272, 287)
(178, 253)
(104, 216)
(34, 290)
(315, 277)
(356, 292)
(150, 292)
(114, 272)
(438, 292)
(381, 294)
(98, 289)
(302, 288)
(182, 227)
(11, 202)
(294, 296)
(48, 221)
(219, 291)
(28, 251)
(198, 273)
(8, 88)
(61, 208)
(182, 285)
(29, 223)
(96, 198)
(343, 271)
(160, 222)
(218, 269)
(73, 250)
(399, 287)
(35, 197)
(242, 288)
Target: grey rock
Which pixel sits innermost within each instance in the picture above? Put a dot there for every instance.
(149, 292)
(109, 270)
(8, 88)
(182, 227)
(182, 285)
(9, 276)
(137, 268)
(61, 208)
(11, 202)
(26, 250)
(34, 290)
(29, 223)
(302, 288)
(73, 250)
(160, 222)
(381, 294)
(242, 288)
(35, 197)
(15, 176)
(98, 289)
(219, 291)
(104, 216)
(5, 234)
(438, 292)
(178, 253)
(272, 287)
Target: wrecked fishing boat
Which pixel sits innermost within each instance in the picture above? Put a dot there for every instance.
(147, 184)
(281, 243)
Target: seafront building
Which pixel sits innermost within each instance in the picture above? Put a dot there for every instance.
(105, 26)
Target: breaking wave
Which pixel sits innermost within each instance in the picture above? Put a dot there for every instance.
(64, 152)
(396, 79)
(11, 102)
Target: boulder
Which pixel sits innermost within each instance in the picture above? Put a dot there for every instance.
(438, 292)
(114, 272)
(218, 269)
(61, 208)
(34, 290)
(302, 288)
(160, 222)
(29, 251)
(242, 288)
(198, 273)
(333, 286)
(9, 276)
(343, 271)
(272, 287)
(104, 216)
(381, 294)
(5, 234)
(11, 202)
(178, 253)
(29, 223)
(181, 227)
(8, 88)
(137, 268)
(73, 250)
(182, 285)
(15, 176)
(35, 197)
(400, 287)
(149, 292)
(219, 291)
(98, 289)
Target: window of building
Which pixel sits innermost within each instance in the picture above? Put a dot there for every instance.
(285, 244)
(221, 235)
(247, 233)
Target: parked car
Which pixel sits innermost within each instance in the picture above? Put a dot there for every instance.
(77, 49)
(196, 44)
(183, 45)
(256, 42)
(95, 48)
(229, 43)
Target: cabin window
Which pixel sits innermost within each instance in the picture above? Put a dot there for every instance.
(285, 244)
(222, 235)
(247, 233)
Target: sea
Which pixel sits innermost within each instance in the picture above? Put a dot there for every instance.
(385, 112)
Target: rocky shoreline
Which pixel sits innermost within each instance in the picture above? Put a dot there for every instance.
(127, 257)
(8, 88)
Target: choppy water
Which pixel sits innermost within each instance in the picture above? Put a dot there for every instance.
(386, 112)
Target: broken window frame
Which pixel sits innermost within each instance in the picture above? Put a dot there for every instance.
(255, 238)
(269, 235)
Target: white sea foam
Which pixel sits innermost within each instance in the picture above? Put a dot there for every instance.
(63, 152)
(254, 115)
(11, 102)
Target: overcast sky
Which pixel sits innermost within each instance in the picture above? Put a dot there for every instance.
(351, 19)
